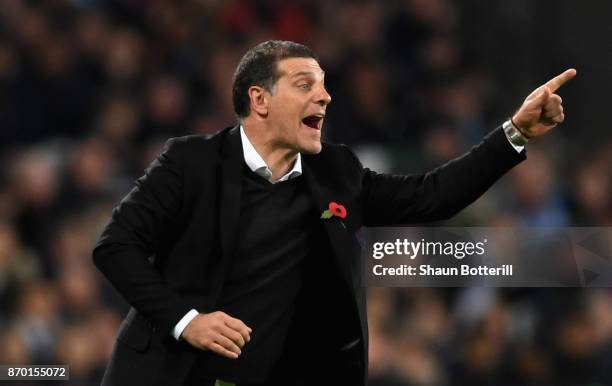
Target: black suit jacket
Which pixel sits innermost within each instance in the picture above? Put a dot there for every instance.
(170, 241)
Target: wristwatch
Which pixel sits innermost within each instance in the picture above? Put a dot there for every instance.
(514, 135)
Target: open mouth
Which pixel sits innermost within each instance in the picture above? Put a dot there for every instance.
(313, 121)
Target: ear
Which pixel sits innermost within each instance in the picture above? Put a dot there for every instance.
(259, 100)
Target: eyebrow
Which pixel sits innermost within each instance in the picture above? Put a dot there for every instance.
(305, 73)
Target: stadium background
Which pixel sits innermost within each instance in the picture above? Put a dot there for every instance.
(90, 90)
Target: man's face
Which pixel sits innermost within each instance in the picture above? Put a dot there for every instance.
(297, 105)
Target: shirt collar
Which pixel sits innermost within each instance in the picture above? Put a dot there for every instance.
(259, 166)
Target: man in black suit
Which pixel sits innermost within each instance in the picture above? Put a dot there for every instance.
(238, 253)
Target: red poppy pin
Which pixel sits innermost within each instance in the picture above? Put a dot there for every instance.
(335, 209)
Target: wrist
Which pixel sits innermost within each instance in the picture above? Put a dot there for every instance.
(514, 135)
(517, 127)
(181, 326)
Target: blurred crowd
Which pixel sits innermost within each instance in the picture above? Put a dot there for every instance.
(91, 89)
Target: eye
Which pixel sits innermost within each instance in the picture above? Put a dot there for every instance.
(304, 86)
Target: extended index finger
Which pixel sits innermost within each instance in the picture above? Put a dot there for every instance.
(560, 80)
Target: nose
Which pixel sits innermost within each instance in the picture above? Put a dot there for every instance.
(323, 98)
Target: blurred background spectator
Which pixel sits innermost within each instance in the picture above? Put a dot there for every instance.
(90, 90)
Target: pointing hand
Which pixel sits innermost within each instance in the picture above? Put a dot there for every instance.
(542, 109)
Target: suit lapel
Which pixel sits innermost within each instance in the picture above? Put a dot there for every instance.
(341, 238)
(345, 246)
(230, 199)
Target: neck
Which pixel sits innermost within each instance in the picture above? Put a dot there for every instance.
(278, 158)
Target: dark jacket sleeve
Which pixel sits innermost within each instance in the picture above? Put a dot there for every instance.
(122, 252)
(441, 193)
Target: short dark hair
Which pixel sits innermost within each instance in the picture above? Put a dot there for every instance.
(259, 67)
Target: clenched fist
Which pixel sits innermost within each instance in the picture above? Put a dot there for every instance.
(542, 109)
(218, 332)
